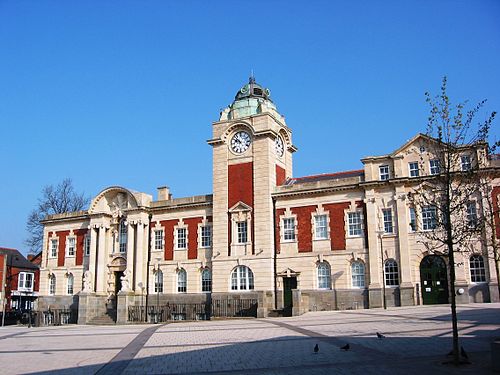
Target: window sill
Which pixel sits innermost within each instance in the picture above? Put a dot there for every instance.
(321, 239)
(181, 249)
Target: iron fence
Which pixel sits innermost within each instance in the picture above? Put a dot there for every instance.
(55, 317)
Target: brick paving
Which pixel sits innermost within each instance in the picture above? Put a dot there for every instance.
(417, 340)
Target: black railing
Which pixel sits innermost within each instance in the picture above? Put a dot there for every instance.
(55, 317)
(227, 308)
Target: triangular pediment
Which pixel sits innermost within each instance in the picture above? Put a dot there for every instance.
(418, 144)
(288, 272)
(240, 207)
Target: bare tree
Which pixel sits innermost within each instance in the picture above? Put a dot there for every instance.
(55, 200)
(449, 199)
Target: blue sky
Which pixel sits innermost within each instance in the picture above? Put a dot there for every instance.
(124, 92)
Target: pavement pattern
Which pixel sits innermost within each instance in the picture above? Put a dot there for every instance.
(417, 340)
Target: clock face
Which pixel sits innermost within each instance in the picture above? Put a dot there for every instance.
(278, 144)
(240, 142)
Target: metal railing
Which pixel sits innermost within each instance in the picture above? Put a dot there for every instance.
(55, 317)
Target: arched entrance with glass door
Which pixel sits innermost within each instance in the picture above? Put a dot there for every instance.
(434, 280)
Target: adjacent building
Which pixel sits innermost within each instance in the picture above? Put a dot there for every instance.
(343, 240)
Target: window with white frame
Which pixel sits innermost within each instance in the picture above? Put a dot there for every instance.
(289, 229)
(471, 215)
(159, 282)
(387, 218)
(324, 275)
(465, 163)
(181, 238)
(206, 236)
(242, 231)
(320, 227)
(25, 282)
(391, 273)
(413, 219)
(242, 278)
(358, 274)
(355, 220)
(477, 270)
(181, 281)
(122, 236)
(429, 214)
(52, 285)
(158, 239)
(70, 251)
(53, 248)
(70, 283)
(413, 169)
(86, 245)
(383, 172)
(206, 280)
(434, 166)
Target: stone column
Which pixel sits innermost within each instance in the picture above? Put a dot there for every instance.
(130, 252)
(141, 266)
(101, 261)
(407, 294)
(93, 254)
(375, 286)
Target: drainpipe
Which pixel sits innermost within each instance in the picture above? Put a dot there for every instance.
(275, 256)
(149, 263)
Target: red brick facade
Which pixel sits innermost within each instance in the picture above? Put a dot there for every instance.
(62, 247)
(304, 229)
(337, 224)
(280, 175)
(168, 231)
(192, 224)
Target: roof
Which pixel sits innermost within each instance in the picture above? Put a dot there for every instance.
(16, 259)
(325, 176)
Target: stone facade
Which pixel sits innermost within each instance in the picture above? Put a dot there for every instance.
(332, 241)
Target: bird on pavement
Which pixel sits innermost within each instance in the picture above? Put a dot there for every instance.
(380, 336)
(346, 347)
(463, 353)
(316, 348)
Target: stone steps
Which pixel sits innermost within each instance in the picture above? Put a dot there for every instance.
(104, 320)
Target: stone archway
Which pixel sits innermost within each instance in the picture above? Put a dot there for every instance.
(116, 269)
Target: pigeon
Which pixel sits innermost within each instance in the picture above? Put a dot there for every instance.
(463, 353)
(316, 348)
(380, 336)
(346, 347)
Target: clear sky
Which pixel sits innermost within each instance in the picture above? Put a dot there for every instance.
(124, 92)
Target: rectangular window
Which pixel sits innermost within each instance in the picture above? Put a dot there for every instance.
(25, 282)
(429, 214)
(53, 248)
(289, 229)
(206, 236)
(181, 238)
(383, 172)
(434, 166)
(387, 214)
(413, 220)
(471, 215)
(242, 231)
(86, 245)
(71, 246)
(466, 165)
(355, 224)
(413, 169)
(321, 230)
(158, 239)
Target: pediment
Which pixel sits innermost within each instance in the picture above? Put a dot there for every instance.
(113, 201)
(240, 207)
(418, 144)
(288, 272)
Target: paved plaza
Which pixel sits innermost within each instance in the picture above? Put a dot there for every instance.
(417, 341)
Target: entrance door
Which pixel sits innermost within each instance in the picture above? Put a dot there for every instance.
(289, 283)
(434, 280)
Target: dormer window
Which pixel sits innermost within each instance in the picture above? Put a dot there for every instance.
(383, 172)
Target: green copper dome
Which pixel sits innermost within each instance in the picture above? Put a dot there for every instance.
(253, 90)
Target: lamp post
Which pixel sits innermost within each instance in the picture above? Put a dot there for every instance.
(380, 234)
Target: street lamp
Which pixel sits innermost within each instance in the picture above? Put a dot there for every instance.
(380, 234)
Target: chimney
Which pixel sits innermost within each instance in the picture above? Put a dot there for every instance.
(163, 193)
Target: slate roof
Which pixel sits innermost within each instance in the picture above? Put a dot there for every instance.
(16, 259)
(325, 176)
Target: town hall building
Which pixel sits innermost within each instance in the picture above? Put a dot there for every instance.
(347, 240)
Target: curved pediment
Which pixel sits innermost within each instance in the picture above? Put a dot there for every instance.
(114, 201)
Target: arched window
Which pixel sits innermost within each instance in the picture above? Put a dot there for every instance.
(242, 278)
(159, 282)
(391, 273)
(181, 281)
(52, 285)
(69, 289)
(477, 271)
(358, 274)
(206, 280)
(324, 276)
(122, 236)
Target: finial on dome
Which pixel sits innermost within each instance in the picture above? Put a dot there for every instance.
(252, 77)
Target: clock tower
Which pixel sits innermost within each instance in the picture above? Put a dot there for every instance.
(252, 154)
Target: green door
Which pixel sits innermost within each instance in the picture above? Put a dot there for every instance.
(434, 280)
(289, 283)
